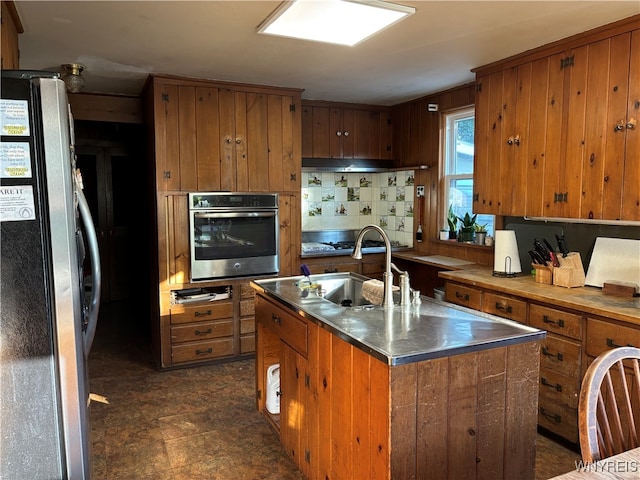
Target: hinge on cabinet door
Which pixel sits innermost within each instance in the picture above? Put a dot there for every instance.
(307, 456)
(307, 380)
(166, 174)
(259, 394)
(293, 177)
(292, 107)
(560, 197)
(165, 97)
(478, 87)
(476, 197)
(566, 62)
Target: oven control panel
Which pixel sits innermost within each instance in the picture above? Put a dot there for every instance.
(232, 200)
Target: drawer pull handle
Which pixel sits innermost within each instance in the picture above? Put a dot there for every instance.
(330, 270)
(559, 323)
(553, 416)
(275, 318)
(206, 332)
(204, 352)
(545, 351)
(461, 296)
(203, 314)
(546, 383)
(612, 344)
(506, 308)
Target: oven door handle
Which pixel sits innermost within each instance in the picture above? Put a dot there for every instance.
(234, 214)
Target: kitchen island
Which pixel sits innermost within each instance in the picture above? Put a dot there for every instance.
(418, 391)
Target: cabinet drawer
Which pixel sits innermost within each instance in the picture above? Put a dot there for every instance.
(247, 307)
(289, 328)
(200, 313)
(558, 419)
(373, 268)
(246, 291)
(560, 355)
(506, 307)
(247, 325)
(196, 351)
(603, 336)
(462, 295)
(559, 389)
(201, 331)
(557, 321)
(248, 344)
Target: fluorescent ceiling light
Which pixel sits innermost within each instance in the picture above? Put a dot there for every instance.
(345, 22)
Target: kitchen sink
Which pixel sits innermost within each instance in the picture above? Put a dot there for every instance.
(344, 288)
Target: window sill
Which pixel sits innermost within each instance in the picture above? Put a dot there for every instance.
(452, 243)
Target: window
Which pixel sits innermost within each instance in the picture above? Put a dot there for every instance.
(458, 166)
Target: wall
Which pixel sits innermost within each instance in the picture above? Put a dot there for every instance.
(581, 237)
(350, 201)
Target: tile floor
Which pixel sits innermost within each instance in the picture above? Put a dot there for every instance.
(195, 423)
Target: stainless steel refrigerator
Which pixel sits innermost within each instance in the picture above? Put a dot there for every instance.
(49, 294)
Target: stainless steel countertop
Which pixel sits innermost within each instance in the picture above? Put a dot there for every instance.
(402, 335)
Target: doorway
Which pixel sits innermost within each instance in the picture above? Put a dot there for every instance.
(112, 165)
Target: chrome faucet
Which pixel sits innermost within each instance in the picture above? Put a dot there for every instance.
(387, 299)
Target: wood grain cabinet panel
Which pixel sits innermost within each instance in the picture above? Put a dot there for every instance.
(555, 320)
(202, 312)
(202, 331)
(199, 351)
(463, 295)
(504, 306)
(561, 355)
(556, 131)
(288, 327)
(337, 131)
(603, 336)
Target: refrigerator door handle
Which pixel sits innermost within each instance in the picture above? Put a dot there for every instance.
(94, 254)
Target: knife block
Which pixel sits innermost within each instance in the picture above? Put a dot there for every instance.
(570, 273)
(544, 273)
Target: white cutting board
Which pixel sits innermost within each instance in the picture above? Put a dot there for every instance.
(614, 259)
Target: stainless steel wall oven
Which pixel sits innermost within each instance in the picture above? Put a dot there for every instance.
(233, 234)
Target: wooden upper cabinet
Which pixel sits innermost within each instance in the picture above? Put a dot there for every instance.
(211, 137)
(611, 176)
(556, 134)
(335, 131)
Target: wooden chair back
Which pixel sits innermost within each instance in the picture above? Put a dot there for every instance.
(609, 406)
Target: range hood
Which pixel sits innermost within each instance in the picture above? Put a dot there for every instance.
(346, 165)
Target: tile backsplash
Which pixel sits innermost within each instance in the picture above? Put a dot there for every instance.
(349, 201)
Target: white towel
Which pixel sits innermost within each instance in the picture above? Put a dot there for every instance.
(373, 291)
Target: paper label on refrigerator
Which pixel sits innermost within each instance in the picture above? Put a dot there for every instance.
(16, 203)
(14, 117)
(15, 160)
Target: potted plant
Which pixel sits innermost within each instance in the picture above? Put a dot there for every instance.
(452, 220)
(481, 233)
(467, 230)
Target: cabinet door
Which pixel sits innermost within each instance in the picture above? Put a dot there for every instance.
(631, 186)
(553, 128)
(289, 218)
(283, 133)
(208, 139)
(515, 140)
(293, 377)
(568, 197)
(167, 138)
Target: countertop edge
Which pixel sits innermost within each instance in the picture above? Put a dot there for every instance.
(524, 337)
(541, 293)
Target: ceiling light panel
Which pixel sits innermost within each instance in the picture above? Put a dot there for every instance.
(344, 22)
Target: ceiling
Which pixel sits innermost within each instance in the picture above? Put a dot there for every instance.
(120, 42)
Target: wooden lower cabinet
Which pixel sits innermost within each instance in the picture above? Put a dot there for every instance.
(560, 352)
(346, 414)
